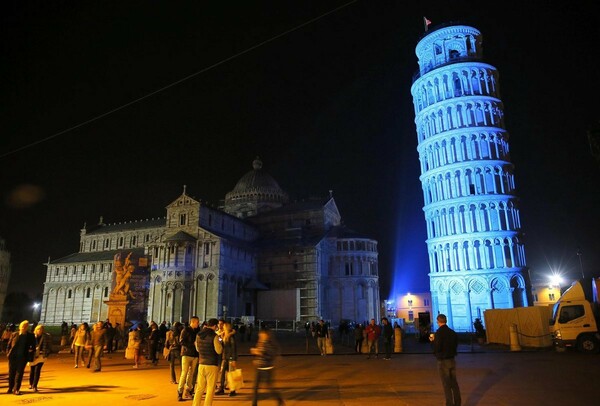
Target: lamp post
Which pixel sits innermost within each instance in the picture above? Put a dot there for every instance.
(579, 254)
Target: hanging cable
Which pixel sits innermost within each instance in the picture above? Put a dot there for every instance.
(252, 48)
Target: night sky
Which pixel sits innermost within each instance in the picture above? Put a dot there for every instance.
(321, 95)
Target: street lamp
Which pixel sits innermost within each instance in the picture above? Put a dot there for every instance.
(555, 280)
(36, 306)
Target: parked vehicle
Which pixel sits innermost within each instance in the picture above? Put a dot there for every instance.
(576, 317)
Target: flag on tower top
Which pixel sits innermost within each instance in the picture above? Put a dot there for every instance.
(426, 23)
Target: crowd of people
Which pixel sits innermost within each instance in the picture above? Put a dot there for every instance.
(206, 352)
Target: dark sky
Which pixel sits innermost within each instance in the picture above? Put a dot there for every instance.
(326, 106)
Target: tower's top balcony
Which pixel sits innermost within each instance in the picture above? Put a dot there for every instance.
(447, 44)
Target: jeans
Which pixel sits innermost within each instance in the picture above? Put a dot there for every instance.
(97, 355)
(321, 343)
(79, 354)
(189, 366)
(373, 345)
(447, 370)
(387, 344)
(34, 374)
(173, 357)
(223, 372)
(266, 376)
(16, 368)
(207, 380)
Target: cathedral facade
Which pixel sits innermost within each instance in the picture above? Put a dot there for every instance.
(258, 255)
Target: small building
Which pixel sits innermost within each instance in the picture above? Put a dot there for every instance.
(409, 305)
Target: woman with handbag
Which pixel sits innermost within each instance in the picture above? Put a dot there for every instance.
(82, 336)
(229, 357)
(43, 344)
(172, 350)
(134, 343)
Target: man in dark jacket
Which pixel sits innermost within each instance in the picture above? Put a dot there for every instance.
(20, 350)
(322, 334)
(189, 358)
(209, 346)
(445, 344)
(387, 333)
(98, 345)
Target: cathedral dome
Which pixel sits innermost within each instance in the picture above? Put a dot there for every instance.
(256, 179)
(255, 192)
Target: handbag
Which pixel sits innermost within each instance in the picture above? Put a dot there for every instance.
(235, 379)
(38, 360)
(129, 353)
(37, 357)
(166, 352)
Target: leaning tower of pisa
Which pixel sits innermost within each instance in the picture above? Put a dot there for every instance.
(474, 236)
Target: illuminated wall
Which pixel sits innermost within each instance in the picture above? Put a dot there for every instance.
(545, 293)
(409, 305)
(474, 236)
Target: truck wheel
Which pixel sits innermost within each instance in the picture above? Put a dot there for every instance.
(587, 343)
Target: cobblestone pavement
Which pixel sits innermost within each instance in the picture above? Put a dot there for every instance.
(487, 376)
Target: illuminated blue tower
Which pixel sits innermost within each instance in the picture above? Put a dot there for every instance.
(474, 236)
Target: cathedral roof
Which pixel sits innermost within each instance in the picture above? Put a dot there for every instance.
(126, 226)
(95, 256)
(181, 236)
(301, 206)
(344, 232)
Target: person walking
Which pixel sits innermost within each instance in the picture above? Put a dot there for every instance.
(445, 344)
(97, 345)
(20, 350)
(153, 341)
(172, 344)
(358, 338)
(373, 331)
(134, 342)
(265, 352)
(72, 332)
(210, 347)
(322, 334)
(189, 359)
(43, 344)
(80, 339)
(6, 334)
(110, 336)
(229, 356)
(387, 333)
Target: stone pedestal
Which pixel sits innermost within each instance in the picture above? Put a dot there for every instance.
(117, 309)
(397, 340)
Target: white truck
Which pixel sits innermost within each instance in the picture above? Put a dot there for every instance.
(576, 317)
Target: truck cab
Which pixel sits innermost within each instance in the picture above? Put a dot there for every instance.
(575, 317)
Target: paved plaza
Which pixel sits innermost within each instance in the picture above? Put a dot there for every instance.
(487, 376)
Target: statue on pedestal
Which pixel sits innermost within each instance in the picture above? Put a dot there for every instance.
(123, 274)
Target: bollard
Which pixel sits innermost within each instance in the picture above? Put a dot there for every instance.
(397, 340)
(514, 338)
(365, 345)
